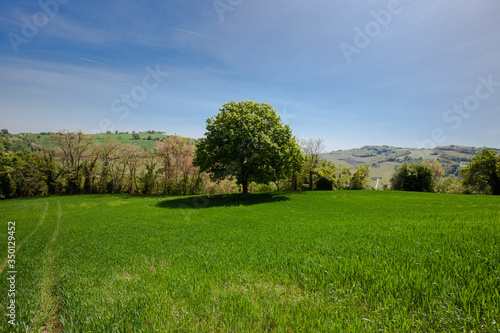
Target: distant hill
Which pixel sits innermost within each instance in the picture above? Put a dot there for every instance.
(383, 160)
(24, 141)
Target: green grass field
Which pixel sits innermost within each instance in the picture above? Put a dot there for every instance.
(338, 261)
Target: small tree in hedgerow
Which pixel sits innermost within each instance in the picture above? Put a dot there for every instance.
(359, 180)
(247, 141)
(413, 177)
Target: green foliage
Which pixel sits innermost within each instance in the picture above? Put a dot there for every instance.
(437, 169)
(413, 177)
(449, 185)
(343, 176)
(344, 261)
(359, 180)
(20, 175)
(329, 176)
(483, 173)
(312, 149)
(247, 141)
(75, 163)
(6, 144)
(325, 175)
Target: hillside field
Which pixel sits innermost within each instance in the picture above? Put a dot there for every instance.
(143, 142)
(384, 160)
(335, 261)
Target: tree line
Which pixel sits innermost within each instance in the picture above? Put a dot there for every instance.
(245, 147)
(76, 163)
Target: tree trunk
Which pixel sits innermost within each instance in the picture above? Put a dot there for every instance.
(495, 185)
(245, 189)
(294, 182)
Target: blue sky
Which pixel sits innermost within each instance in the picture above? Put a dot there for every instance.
(402, 73)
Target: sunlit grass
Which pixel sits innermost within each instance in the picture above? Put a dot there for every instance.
(316, 261)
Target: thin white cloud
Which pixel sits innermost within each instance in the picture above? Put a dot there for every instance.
(96, 62)
(197, 34)
(10, 21)
(45, 72)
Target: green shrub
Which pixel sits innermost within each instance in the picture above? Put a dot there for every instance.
(413, 177)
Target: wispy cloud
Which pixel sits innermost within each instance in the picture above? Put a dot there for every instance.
(10, 21)
(197, 34)
(95, 62)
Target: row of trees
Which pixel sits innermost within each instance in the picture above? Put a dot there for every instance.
(77, 163)
(245, 145)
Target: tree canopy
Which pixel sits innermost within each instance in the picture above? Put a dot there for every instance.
(246, 140)
(483, 173)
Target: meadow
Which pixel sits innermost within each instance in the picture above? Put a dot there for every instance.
(336, 261)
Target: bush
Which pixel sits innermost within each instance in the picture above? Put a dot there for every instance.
(359, 180)
(413, 177)
(449, 185)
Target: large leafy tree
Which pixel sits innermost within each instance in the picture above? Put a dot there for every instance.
(247, 141)
(483, 173)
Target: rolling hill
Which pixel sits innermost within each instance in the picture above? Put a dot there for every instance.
(383, 160)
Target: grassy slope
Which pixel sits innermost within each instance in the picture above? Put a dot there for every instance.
(323, 261)
(123, 138)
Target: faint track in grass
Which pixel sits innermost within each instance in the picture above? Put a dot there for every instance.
(50, 306)
(20, 244)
